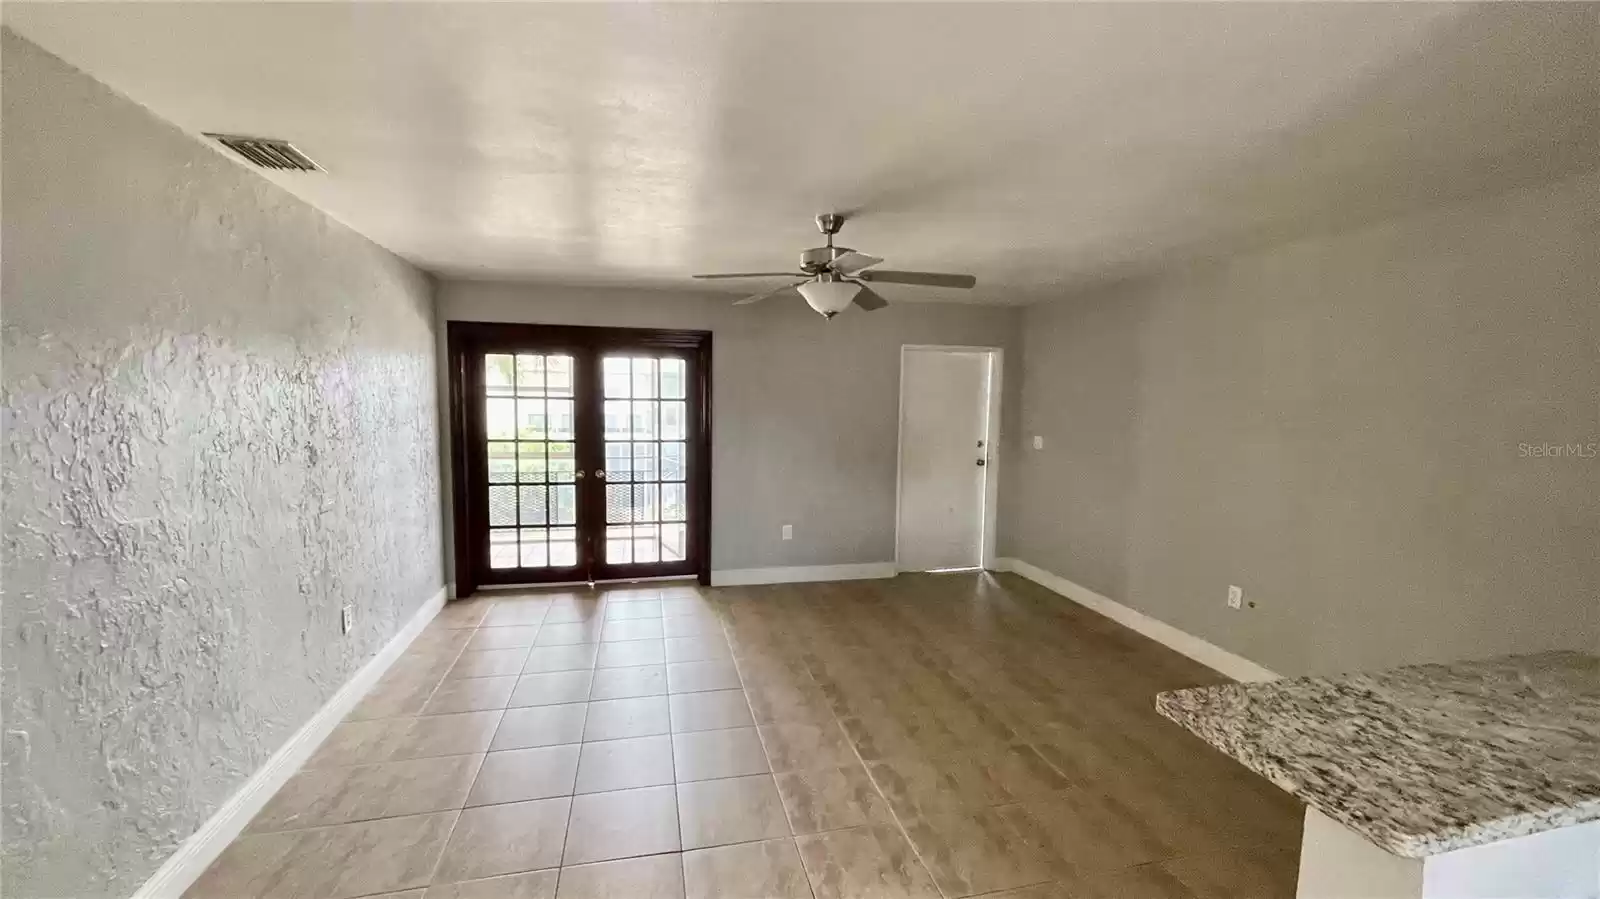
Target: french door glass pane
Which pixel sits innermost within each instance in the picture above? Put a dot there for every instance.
(533, 505)
(531, 424)
(618, 423)
(501, 418)
(672, 461)
(530, 420)
(503, 548)
(644, 378)
(497, 374)
(559, 419)
(615, 374)
(644, 419)
(502, 505)
(674, 542)
(619, 545)
(618, 466)
(535, 548)
(563, 462)
(674, 502)
(530, 375)
(566, 504)
(530, 463)
(563, 547)
(645, 403)
(647, 502)
(672, 420)
(674, 373)
(644, 461)
(646, 543)
(558, 376)
(529, 399)
(503, 463)
(619, 503)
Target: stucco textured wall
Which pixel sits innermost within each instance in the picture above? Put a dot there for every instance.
(220, 427)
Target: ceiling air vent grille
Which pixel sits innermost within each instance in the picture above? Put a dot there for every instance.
(267, 152)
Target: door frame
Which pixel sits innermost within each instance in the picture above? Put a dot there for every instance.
(465, 337)
(987, 556)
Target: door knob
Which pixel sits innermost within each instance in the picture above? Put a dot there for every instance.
(600, 473)
(580, 475)
(981, 463)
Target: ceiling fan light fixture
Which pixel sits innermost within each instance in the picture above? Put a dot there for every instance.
(829, 296)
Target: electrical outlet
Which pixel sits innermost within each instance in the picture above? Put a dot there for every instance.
(347, 619)
(788, 532)
(1038, 442)
(1235, 597)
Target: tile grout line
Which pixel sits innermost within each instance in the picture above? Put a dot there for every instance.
(572, 802)
(449, 837)
(572, 798)
(463, 810)
(453, 659)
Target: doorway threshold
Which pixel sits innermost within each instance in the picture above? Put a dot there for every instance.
(489, 588)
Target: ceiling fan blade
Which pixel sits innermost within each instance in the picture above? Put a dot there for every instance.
(924, 279)
(869, 300)
(771, 293)
(750, 275)
(852, 262)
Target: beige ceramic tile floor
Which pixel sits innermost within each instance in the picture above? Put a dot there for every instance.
(956, 735)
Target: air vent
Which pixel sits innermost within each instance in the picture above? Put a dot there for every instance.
(267, 152)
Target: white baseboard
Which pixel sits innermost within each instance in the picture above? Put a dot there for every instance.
(184, 866)
(738, 577)
(1209, 654)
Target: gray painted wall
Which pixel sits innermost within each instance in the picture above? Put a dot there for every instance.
(220, 426)
(1337, 426)
(805, 424)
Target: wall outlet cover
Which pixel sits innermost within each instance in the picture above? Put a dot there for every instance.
(1235, 597)
(788, 532)
(1038, 442)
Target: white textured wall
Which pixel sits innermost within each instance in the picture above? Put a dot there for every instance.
(220, 426)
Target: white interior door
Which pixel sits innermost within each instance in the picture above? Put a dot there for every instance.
(944, 455)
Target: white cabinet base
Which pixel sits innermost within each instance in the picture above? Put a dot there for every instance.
(1338, 863)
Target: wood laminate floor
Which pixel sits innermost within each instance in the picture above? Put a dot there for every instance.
(926, 736)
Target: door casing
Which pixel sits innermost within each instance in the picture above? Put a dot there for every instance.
(463, 339)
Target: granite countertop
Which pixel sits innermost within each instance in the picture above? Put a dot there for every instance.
(1423, 759)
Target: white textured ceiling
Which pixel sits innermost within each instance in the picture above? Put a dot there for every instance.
(1035, 145)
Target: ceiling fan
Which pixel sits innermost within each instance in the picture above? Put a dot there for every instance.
(834, 277)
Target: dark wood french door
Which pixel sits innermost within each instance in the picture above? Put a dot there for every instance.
(579, 453)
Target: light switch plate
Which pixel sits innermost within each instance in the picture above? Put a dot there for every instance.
(788, 532)
(347, 619)
(1038, 442)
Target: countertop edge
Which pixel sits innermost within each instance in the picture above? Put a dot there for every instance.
(1465, 836)
(1167, 707)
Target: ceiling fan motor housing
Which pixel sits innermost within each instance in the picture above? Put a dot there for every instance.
(815, 260)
